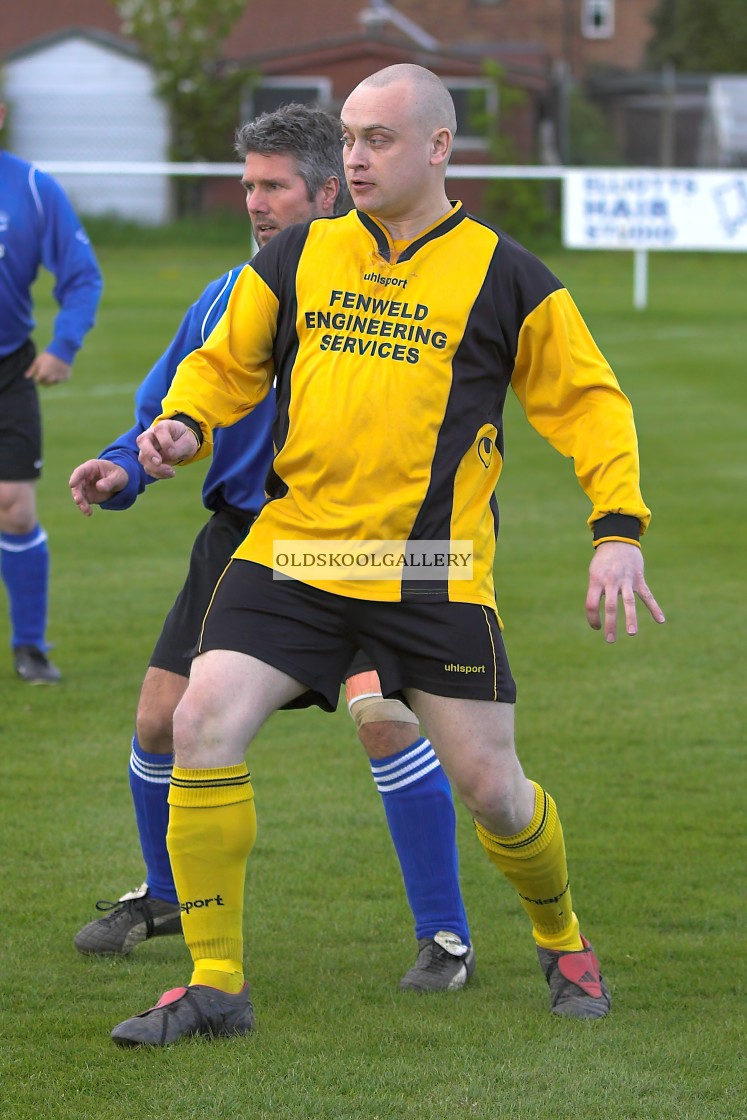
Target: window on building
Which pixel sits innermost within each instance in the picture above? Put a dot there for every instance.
(476, 102)
(270, 93)
(597, 19)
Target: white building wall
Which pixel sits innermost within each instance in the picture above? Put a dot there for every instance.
(76, 99)
(728, 105)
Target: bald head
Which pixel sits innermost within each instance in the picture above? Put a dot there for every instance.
(430, 101)
(397, 128)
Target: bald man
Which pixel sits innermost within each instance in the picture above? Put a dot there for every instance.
(394, 333)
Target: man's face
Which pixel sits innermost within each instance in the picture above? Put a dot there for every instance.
(276, 195)
(386, 151)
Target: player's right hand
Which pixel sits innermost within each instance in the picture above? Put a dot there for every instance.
(167, 442)
(94, 482)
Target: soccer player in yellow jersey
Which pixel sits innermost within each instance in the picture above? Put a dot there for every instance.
(292, 173)
(393, 334)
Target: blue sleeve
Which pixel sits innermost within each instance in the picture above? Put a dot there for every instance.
(193, 330)
(67, 253)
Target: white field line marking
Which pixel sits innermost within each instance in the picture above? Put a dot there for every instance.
(55, 393)
(664, 334)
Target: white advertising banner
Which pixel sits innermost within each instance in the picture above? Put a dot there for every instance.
(605, 208)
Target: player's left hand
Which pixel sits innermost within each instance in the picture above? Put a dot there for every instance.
(616, 572)
(48, 370)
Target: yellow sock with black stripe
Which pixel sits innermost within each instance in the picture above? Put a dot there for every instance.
(534, 862)
(212, 829)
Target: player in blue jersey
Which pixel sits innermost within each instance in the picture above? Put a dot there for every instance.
(38, 226)
(293, 172)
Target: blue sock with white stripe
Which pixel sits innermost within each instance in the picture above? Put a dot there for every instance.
(420, 813)
(150, 776)
(24, 565)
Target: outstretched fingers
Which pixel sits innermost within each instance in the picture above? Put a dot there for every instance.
(616, 576)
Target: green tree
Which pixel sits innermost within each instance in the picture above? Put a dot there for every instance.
(184, 42)
(6, 141)
(527, 209)
(591, 138)
(703, 36)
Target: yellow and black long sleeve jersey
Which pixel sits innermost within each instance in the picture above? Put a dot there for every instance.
(392, 363)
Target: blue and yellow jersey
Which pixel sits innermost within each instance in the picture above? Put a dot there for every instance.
(392, 364)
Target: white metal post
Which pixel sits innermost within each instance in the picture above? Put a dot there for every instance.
(640, 279)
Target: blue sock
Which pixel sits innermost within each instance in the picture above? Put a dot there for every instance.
(420, 813)
(150, 775)
(24, 565)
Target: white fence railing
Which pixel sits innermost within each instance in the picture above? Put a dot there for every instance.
(636, 209)
(228, 170)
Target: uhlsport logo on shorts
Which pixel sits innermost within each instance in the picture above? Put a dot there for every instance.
(456, 668)
(411, 560)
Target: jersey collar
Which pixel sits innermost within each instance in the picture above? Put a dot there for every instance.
(384, 243)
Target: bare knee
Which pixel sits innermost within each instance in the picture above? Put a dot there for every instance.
(230, 696)
(204, 736)
(474, 740)
(159, 696)
(17, 507)
(381, 738)
(384, 727)
(499, 796)
(155, 730)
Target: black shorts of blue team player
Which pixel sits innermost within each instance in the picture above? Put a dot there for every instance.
(212, 550)
(20, 418)
(448, 649)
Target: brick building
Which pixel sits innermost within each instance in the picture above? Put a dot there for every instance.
(585, 33)
(318, 52)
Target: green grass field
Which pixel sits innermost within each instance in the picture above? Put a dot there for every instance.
(640, 743)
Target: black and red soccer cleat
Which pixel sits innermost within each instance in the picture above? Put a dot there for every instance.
(186, 1012)
(577, 989)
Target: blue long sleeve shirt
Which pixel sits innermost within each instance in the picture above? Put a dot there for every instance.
(241, 454)
(38, 226)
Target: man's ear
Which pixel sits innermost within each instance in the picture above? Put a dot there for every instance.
(328, 195)
(440, 145)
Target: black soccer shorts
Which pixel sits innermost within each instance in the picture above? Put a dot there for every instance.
(213, 547)
(448, 649)
(20, 418)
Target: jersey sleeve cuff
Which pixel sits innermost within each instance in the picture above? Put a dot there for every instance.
(62, 349)
(617, 527)
(193, 426)
(136, 481)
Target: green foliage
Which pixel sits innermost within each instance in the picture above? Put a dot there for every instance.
(703, 36)
(592, 142)
(6, 131)
(227, 229)
(526, 209)
(184, 41)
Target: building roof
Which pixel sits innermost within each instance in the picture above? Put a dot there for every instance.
(104, 39)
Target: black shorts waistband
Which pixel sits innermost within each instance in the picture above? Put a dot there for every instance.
(17, 362)
(219, 505)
